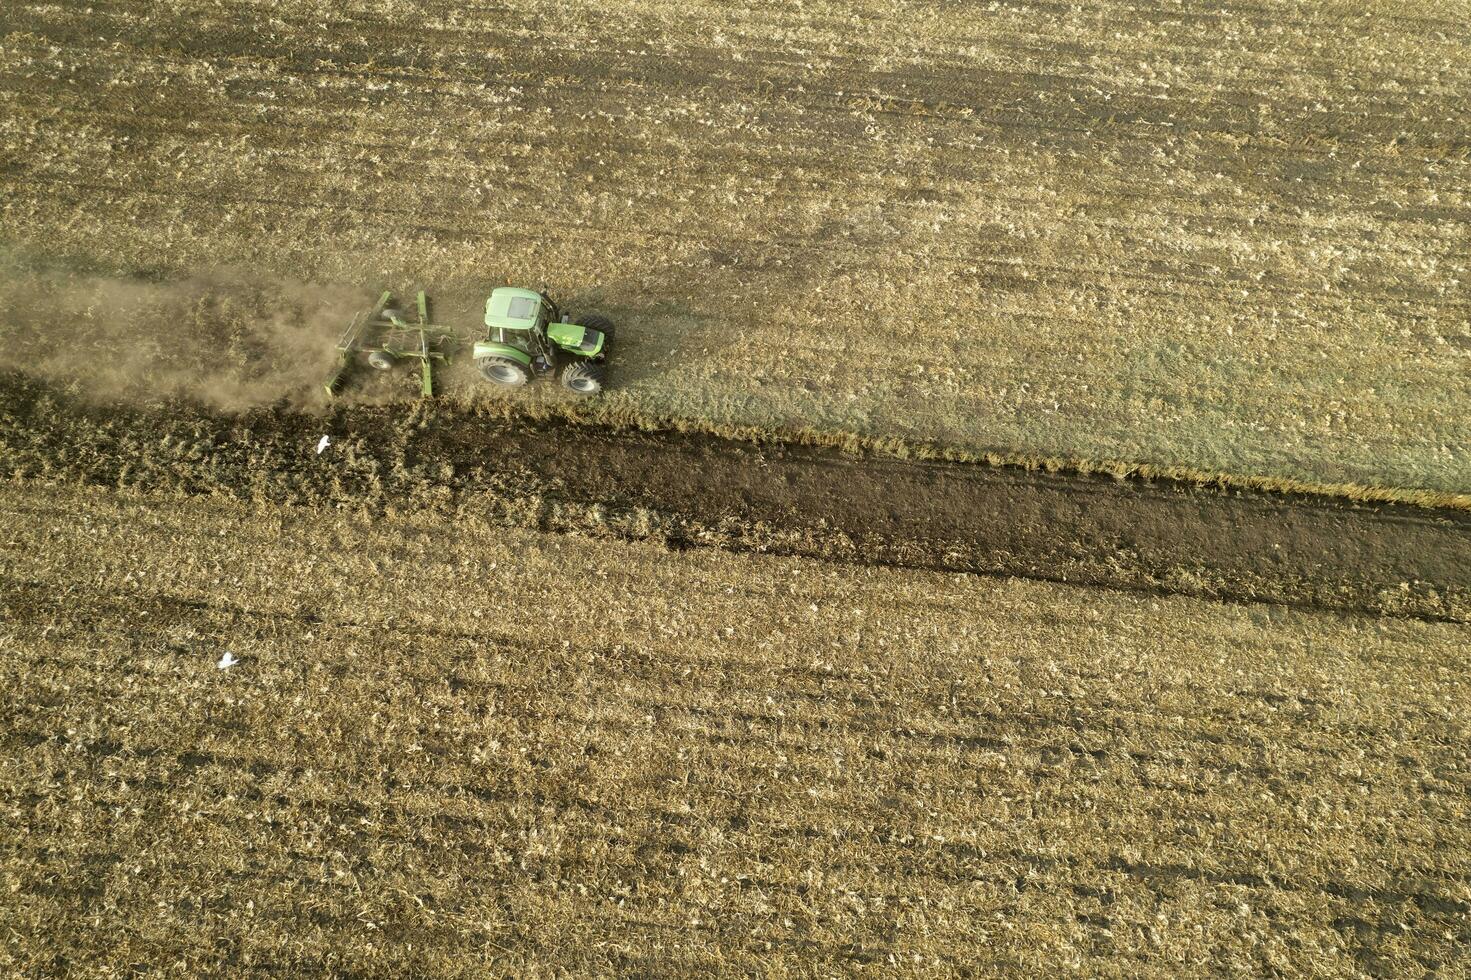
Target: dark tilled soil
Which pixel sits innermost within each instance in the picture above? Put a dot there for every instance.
(697, 490)
(973, 518)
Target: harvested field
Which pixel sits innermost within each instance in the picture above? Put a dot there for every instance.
(1029, 531)
(451, 747)
(1231, 240)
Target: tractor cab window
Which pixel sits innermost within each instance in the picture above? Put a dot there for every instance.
(522, 308)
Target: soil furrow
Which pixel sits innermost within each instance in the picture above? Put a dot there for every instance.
(999, 520)
(698, 490)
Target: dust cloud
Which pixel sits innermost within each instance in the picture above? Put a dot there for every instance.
(225, 337)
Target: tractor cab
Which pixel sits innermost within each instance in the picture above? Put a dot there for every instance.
(515, 315)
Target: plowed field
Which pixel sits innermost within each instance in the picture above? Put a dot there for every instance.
(690, 489)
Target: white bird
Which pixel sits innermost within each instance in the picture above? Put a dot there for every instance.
(228, 660)
(323, 443)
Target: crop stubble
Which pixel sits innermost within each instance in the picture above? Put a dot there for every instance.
(1231, 240)
(450, 745)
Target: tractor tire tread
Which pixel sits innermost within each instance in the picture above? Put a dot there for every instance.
(487, 365)
(576, 375)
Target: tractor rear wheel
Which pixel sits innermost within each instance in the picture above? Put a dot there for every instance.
(599, 323)
(583, 377)
(503, 371)
(381, 360)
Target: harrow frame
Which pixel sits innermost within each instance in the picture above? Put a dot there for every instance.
(382, 330)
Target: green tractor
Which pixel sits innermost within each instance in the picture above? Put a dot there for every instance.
(528, 336)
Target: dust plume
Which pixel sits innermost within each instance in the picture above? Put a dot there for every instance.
(225, 337)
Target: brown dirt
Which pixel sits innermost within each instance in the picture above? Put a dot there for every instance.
(979, 519)
(693, 489)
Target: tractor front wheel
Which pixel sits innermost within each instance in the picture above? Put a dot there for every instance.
(583, 377)
(503, 371)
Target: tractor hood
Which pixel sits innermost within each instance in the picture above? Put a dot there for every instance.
(510, 308)
(583, 341)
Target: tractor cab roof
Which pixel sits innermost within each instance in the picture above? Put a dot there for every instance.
(511, 308)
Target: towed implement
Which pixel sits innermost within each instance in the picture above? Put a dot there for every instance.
(526, 336)
(381, 338)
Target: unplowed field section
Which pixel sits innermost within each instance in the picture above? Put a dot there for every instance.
(694, 489)
(1230, 239)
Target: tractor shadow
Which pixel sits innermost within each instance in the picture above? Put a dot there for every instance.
(656, 337)
(708, 315)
